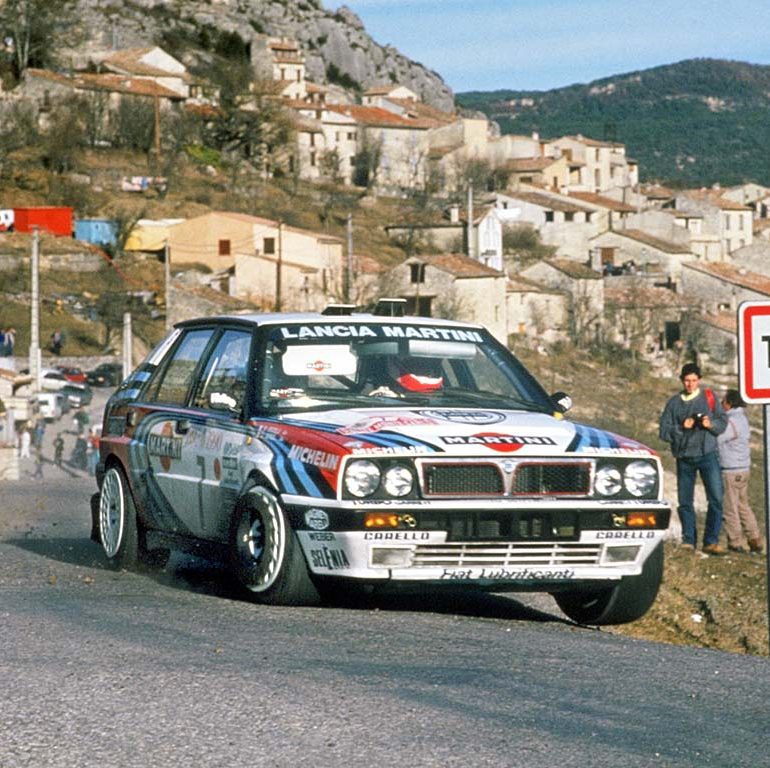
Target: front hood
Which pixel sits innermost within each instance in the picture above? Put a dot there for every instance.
(452, 431)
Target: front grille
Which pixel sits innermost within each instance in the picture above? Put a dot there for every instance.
(506, 477)
(449, 479)
(502, 555)
(534, 479)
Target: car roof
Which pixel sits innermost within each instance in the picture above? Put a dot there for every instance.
(277, 318)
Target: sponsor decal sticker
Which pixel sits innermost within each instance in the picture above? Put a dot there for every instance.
(497, 441)
(314, 456)
(379, 423)
(165, 445)
(508, 574)
(329, 559)
(465, 417)
(317, 519)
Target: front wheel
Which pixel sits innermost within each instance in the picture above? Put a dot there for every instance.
(117, 527)
(627, 601)
(265, 554)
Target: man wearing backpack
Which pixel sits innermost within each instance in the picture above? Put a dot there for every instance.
(690, 423)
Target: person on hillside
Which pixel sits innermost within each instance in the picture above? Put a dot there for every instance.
(690, 423)
(735, 461)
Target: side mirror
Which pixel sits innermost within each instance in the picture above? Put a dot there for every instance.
(562, 402)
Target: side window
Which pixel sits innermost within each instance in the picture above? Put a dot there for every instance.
(222, 386)
(173, 382)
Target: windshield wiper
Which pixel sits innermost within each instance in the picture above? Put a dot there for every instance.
(493, 399)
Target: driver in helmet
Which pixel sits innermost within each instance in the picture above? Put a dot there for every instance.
(411, 374)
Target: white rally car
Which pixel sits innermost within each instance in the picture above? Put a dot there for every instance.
(318, 450)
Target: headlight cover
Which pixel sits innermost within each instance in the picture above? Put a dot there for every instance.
(640, 478)
(398, 481)
(362, 478)
(608, 481)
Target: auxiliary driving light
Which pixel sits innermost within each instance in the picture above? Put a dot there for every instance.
(391, 557)
(621, 554)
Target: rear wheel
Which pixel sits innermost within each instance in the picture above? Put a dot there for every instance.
(118, 533)
(627, 601)
(265, 554)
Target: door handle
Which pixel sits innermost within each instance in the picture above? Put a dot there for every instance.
(183, 426)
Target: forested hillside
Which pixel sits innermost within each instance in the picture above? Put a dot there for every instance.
(693, 123)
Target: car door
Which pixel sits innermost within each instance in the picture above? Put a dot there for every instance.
(173, 473)
(217, 434)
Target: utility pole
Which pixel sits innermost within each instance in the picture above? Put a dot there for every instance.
(35, 363)
(167, 279)
(470, 220)
(127, 344)
(348, 277)
(278, 268)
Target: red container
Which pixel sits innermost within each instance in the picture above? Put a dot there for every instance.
(54, 220)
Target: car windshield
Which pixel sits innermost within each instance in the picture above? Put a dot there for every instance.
(358, 364)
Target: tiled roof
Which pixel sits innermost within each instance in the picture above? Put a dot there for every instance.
(129, 60)
(656, 191)
(519, 284)
(724, 321)
(642, 296)
(421, 111)
(654, 242)
(731, 274)
(115, 83)
(460, 266)
(552, 203)
(520, 164)
(604, 202)
(378, 117)
(714, 197)
(574, 269)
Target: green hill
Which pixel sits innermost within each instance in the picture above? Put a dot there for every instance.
(693, 123)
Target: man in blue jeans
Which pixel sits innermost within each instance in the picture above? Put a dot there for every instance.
(690, 423)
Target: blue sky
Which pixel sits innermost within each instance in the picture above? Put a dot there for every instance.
(542, 44)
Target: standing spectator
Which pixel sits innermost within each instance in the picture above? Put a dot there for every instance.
(735, 460)
(58, 449)
(92, 451)
(690, 423)
(38, 473)
(82, 420)
(25, 441)
(10, 341)
(57, 341)
(39, 433)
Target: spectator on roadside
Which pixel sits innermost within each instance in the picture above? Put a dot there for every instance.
(735, 461)
(39, 433)
(690, 423)
(25, 442)
(58, 449)
(92, 451)
(38, 473)
(82, 420)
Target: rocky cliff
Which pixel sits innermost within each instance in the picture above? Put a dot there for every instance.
(334, 42)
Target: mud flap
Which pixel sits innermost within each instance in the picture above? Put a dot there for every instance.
(95, 517)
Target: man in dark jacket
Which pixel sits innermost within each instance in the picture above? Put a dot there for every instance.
(690, 423)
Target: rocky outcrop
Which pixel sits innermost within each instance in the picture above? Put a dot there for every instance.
(335, 43)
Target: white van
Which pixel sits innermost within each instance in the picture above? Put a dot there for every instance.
(50, 405)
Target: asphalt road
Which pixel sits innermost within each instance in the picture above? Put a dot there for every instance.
(172, 668)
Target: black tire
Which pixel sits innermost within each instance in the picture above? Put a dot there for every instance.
(627, 601)
(118, 532)
(266, 557)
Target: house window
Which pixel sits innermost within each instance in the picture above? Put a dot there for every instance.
(549, 215)
(312, 139)
(351, 136)
(224, 247)
(268, 245)
(299, 75)
(312, 159)
(417, 273)
(727, 221)
(569, 216)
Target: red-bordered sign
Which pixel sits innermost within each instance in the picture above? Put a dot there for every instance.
(754, 351)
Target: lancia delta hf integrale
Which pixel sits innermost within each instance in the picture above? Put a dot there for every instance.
(315, 451)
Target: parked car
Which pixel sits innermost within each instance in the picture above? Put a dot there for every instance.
(312, 451)
(72, 374)
(77, 394)
(105, 375)
(52, 380)
(50, 405)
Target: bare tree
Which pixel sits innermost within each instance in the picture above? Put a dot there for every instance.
(37, 29)
(366, 163)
